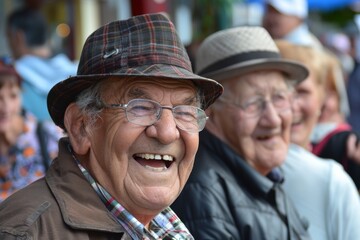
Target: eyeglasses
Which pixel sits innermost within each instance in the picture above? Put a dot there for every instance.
(146, 112)
(255, 106)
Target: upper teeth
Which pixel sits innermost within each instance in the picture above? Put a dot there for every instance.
(155, 156)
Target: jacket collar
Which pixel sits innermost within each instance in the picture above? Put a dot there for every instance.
(245, 174)
(79, 204)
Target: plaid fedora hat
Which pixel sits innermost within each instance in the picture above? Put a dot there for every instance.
(240, 50)
(141, 46)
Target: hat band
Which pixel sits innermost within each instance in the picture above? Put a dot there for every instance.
(236, 59)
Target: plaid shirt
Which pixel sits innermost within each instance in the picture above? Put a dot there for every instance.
(165, 225)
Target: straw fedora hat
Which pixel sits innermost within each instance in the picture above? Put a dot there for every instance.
(142, 46)
(228, 53)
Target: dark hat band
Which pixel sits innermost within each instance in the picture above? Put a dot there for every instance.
(236, 59)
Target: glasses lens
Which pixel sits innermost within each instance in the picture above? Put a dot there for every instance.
(281, 101)
(189, 118)
(253, 107)
(143, 112)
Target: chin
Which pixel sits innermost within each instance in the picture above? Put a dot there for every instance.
(161, 198)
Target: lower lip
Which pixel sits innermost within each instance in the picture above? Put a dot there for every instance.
(154, 165)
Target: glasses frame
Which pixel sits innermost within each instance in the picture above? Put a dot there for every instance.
(263, 105)
(201, 122)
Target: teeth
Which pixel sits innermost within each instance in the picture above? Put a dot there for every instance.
(155, 156)
(167, 158)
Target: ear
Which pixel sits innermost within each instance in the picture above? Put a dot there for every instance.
(209, 111)
(74, 123)
(211, 124)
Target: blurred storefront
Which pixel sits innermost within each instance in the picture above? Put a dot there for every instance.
(71, 21)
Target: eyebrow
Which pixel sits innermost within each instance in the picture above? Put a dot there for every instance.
(139, 93)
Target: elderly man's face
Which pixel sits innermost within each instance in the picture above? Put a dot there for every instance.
(121, 153)
(244, 118)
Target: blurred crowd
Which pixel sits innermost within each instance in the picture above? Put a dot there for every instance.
(279, 157)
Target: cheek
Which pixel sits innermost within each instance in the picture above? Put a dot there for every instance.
(191, 141)
(109, 138)
(17, 105)
(312, 112)
(309, 108)
(234, 132)
(240, 135)
(286, 119)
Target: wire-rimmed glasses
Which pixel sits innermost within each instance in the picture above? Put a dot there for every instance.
(145, 112)
(254, 106)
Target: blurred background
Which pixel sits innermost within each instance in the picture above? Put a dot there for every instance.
(71, 21)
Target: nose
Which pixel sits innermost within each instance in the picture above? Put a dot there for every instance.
(270, 115)
(165, 129)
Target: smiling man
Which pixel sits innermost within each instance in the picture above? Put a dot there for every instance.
(132, 115)
(235, 189)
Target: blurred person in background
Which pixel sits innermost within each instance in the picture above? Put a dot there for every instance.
(339, 43)
(34, 61)
(353, 81)
(319, 125)
(287, 19)
(320, 188)
(26, 145)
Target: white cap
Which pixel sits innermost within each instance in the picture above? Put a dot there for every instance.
(298, 8)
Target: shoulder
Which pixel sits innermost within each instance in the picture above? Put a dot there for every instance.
(299, 157)
(317, 174)
(36, 202)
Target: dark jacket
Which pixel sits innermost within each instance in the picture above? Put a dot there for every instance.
(353, 88)
(63, 205)
(225, 198)
(334, 146)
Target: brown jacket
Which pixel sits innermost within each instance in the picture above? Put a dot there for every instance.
(63, 205)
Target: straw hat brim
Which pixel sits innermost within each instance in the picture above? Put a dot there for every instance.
(67, 91)
(294, 71)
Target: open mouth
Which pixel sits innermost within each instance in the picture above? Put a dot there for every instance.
(264, 137)
(296, 121)
(154, 162)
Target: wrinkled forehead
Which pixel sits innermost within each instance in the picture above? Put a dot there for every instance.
(146, 87)
(257, 80)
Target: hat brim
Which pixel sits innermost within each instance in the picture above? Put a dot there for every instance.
(67, 91)
(293, 70)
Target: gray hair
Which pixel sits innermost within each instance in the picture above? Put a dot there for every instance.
(88, 103)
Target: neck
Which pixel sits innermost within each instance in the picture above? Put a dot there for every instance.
(144, 219)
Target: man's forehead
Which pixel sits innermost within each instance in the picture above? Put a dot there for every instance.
(147, 88)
